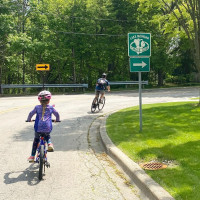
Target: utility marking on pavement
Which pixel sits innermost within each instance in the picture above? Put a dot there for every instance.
(15, 108)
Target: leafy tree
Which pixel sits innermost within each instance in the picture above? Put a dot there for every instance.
(5, 29)
(81, 39)
(180, 19)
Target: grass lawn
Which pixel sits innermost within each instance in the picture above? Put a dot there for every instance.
(171, 132)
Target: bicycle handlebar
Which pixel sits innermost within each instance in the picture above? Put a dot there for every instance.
(53, 120)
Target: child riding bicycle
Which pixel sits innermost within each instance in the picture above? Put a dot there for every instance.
(43, 121)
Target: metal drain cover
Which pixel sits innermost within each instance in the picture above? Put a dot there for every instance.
(153, 166)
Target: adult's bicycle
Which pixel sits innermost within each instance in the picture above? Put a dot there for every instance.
(41, 153)
(98, 103)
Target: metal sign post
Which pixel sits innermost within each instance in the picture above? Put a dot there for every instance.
(42, 80)
(140, 99)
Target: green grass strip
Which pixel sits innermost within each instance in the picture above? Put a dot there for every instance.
(171, 132)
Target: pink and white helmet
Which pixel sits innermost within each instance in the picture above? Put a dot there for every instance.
(44, 95)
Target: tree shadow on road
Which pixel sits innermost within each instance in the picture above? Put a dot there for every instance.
(69, 135)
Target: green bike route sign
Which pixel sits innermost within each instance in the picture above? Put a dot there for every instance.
(139, 44)
(139, 64)
(139, 51)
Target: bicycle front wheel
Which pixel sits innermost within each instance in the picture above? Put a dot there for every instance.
(101, 104)
(41, 164)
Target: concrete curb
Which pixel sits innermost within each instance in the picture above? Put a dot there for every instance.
(150, 188)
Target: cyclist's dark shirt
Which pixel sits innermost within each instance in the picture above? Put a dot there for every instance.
(101, 84)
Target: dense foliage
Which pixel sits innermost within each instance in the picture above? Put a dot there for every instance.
(80, 39)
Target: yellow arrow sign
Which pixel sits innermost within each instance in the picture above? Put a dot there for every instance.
(42, 67)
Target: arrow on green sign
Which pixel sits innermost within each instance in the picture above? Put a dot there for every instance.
(139, 64)
(142, 64)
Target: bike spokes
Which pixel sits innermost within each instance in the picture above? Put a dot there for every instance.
(41, 162)
(97, 104)
(94, 105)
(101, 103)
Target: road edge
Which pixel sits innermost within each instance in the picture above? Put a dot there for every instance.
(150, 188)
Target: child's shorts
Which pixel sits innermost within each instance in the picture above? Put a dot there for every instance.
(37, 135)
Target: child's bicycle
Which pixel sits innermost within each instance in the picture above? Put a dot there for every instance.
(41, 154)
(97, 104)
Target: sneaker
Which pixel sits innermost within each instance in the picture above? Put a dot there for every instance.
(31, 158)
(50, 147)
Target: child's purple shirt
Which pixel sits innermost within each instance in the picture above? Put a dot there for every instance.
(43, 125)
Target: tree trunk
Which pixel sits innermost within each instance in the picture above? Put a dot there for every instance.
(74, 66)
(160, 78)
(23, 68)
(89, 76)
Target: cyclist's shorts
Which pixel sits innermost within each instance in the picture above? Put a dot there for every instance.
(97, 92)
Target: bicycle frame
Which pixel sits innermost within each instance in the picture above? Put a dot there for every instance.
(96, 104)
(44, 143)
(41, 155)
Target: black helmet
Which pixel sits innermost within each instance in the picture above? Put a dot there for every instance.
(104, 75)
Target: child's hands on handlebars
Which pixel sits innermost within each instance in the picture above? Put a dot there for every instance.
(53, 120)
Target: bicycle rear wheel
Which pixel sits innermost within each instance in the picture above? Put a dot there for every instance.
(94, 105)
(101, 105)
(41, 162)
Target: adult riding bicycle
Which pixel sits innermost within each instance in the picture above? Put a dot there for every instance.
(99, 100)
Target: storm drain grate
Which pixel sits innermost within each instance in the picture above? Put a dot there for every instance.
(153, 166)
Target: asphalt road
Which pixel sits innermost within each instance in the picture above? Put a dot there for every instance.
(80, 169)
